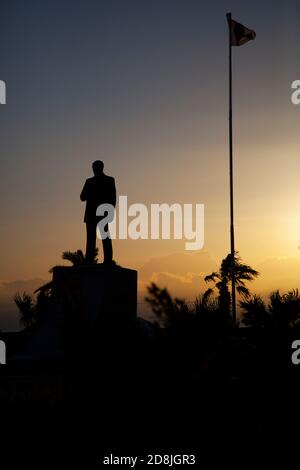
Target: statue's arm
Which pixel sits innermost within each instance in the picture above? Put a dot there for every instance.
(114, 193)
(84, 192)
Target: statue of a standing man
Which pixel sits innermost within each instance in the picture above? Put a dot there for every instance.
(100, 189)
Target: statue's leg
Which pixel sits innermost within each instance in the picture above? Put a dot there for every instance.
(107, 248)
(90, 241)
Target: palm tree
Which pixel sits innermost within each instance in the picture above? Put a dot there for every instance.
(222, 280)
(282, 312)
(77, 258)
(31, 311)
(255, 312)
(285, 308)
(26, 308)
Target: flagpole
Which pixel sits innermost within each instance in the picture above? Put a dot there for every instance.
(233, 296)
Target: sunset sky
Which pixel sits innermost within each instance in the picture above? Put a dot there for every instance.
(143, 85)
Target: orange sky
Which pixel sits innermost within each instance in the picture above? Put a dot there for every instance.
(150, 99)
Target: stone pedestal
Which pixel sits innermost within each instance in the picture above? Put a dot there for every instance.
(86, 303)
(97, 290)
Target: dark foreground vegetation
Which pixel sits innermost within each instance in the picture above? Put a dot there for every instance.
(188, 383)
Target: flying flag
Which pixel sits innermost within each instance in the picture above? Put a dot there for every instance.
(239, 33)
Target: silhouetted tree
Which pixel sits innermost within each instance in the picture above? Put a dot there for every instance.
(282, 311)
(168, 310)
(77, 258)
(205, 303)
(26, 308)
(222, 280)
(285, 308)
(208, 313)
(255, 312)
(176, 314)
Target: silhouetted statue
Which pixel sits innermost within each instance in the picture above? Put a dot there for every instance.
(100, 189)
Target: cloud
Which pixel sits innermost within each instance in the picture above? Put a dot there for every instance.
(181, 273)
(199, 263)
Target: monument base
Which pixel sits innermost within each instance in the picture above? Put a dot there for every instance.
(97, 291)
(87, 304)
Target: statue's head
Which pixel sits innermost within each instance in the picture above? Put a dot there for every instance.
(98, 166)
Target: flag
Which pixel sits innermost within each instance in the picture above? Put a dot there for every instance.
(239, 33)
